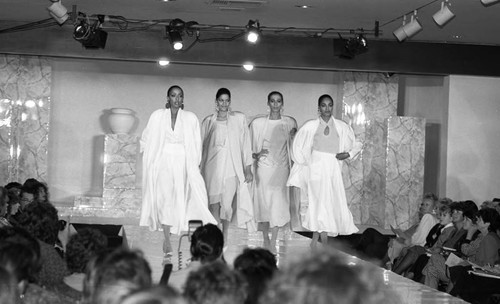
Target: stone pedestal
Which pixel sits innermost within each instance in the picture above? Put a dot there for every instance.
(121, 199)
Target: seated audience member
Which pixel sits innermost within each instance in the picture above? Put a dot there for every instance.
(409, 256)
(453, 242)
(110, 277)
(4, 207)
(40, 220)
(436, 270)
(81, 248)
(14, 187)
(155, 295)
(324, 278)
(469, 286)
(39, 190)
(207, 243)
(258, 267)
(215, 283)
(375, 245)
(20, 256)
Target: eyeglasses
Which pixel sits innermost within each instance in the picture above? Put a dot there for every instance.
(457, 211)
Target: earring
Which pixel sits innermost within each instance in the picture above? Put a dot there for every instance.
(182, 106)
(167, 105)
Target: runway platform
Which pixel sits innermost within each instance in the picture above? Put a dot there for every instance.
(291, 246)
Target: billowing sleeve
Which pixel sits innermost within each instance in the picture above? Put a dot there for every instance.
(301, 152)
(145, 134)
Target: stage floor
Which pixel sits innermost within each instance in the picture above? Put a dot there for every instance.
(291, 246)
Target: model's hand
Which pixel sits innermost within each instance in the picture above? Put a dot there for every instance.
(262, 152)
(342, 155)
(248, 175)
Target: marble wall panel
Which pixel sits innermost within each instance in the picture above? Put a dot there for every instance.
(368, 100)
(404, 170)
(120, 153)
(25, 84)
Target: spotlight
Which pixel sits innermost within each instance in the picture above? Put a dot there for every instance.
(175, 38)
(412, 27)
(253, 31)
(163, 62)
(399, 33)
(90, 36)
(489, 2)
(349, 48)
(248, 66)
(444, 15)
(58, 12)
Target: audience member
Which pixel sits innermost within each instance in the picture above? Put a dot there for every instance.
(258, 267)
(20, 256)
(215, 283)
(207, 243)
(325, 278)
(4, 207)
(81, 248)
(113, 276)
(155, 295)
(9, 293)
(40, 220)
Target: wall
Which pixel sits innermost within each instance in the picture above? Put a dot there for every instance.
(473, 163)
(427, 96)
(82, 91)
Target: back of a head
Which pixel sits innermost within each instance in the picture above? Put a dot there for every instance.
(326, 277)
(16, 235)
(207, 243)
(9, 293)
(490, 215)
(469, 206)
(215, 283)
(156, 295)
(82, 246)
(258, 266)
(40, 219)
(20, 260)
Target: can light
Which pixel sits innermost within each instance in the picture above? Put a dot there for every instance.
(163, 62)
(248, 66)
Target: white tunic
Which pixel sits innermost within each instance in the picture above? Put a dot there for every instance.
(173, 191)
(319, 177)
(271, 195)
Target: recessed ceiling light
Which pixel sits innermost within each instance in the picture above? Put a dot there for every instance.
(163, 62)
(303, 6)
(456, 36)
(248, 66)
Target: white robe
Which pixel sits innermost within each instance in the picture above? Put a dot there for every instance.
(319, 177)
(173, 191)
(241, 155)
(270, 193)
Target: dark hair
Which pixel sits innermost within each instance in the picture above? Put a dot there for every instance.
(13, 185)
(8, 287)
(215, 283)
(258, 266)
(19, 253)
(469, 206)
(207, 243)
(33, 186)
(40, 219)
(222, 91)
(323, 97)
(490, 215)
(275, 93)
(82, 247)
(160, 294)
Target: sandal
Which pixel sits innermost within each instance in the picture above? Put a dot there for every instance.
(167, 258)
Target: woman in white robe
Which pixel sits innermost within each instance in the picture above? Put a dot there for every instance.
(318, 150)
(271, 144)
(226, 163)
(173, 191)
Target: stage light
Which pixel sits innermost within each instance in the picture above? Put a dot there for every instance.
(90, 36)
(58, 12)
(253, 31)
(399, 33)
(248, 66)
(444, 15)
(349, 48)
(163, 62)
(175, 38)
(413, 27)
(489, 2)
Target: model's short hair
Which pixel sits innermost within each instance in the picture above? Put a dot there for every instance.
(323, 97)
(174, 87)
(222, 91)
(275, 93)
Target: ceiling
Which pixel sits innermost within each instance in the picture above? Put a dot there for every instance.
(474, 23)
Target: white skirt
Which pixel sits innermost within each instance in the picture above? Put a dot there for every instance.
(326, 207)
(271, 199)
